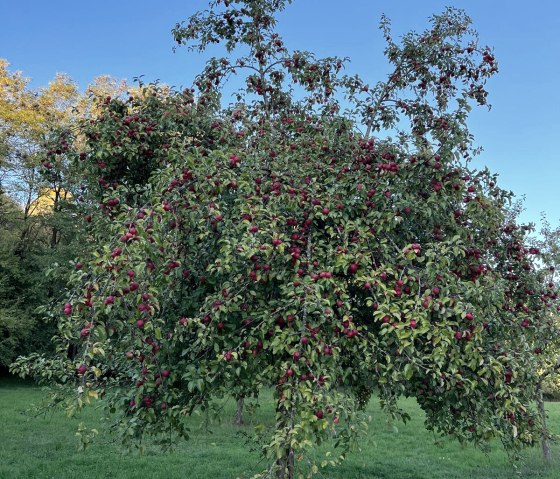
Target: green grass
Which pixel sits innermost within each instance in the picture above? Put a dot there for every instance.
(45, 447)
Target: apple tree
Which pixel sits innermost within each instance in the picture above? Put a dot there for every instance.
(547, 346)
(284, 242)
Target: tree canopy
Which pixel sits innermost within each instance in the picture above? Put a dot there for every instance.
(318, 236)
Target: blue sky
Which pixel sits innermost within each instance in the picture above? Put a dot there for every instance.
(126, 38)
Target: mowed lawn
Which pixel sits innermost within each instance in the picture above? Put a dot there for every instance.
(45, 447)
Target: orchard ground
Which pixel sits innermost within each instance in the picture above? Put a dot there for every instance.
(45, 447)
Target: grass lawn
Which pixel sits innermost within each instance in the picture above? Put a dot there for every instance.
(45, 447)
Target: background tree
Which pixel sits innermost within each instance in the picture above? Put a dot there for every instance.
(27, 118)
(547, 347)
(37, 207)
(281, 242)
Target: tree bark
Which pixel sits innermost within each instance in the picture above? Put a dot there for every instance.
(544, 431)
(239, 411)
(286, 463)
(54, 231)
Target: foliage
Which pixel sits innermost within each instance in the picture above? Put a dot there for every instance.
(14, 326)
(38, 233)
(548, 244)
(273, 244)
(27, 118)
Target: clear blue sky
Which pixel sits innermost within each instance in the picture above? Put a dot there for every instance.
(128, 38)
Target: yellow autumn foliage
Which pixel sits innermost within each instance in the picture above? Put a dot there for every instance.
(28, 112)
(45, 202)
(28, 116)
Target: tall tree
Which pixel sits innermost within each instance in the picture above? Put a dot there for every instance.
(548, 347)
(27, 119)
(37, 191)
(281, 243)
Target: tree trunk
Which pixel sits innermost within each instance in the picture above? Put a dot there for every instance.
(239, 411)
(544, 432)
(286, 463)
(54, 231)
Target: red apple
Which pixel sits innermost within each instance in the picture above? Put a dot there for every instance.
(353, 268)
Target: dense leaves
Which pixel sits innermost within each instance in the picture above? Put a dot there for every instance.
(272, 244)
(29, 232)
(39, 235)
